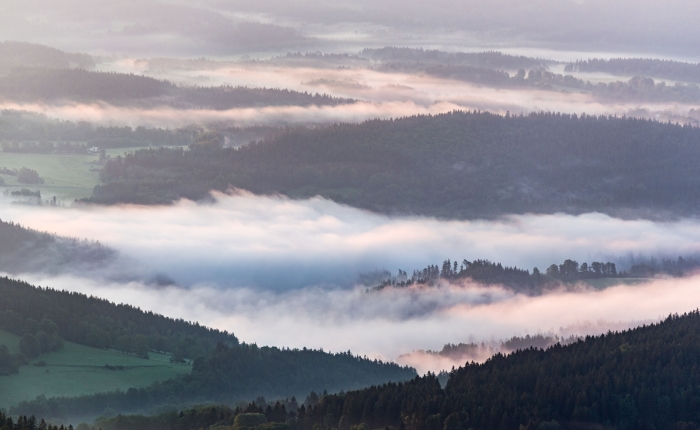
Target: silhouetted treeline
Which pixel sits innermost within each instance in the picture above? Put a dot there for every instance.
(522, 280)
(30, 132)
(488, 272)
(31, 423)
(101, 324)
(31, 85)
(486, 60)
(655, 68)
(638, 88)
(460, 164)
(22, 54)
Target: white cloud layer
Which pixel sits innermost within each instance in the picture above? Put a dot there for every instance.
(282, 272)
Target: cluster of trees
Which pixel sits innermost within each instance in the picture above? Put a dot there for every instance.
(31, 85)
(459, 165)
(652, 267)
(488, 272)
(663, 69)
(223, 369)
(30, 423)
(23, 131)
(10, 363)
(24, 175)
(38, 337)
(419, 57)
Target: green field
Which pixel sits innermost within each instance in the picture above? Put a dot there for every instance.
(67, 177)
(10, 340)
(77, 369)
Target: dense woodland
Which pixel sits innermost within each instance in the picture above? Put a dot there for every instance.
(644, 378)
(641, 378)
(40, 84)
(101, 324)
(663, 69)
(461, 164)
(223, 369)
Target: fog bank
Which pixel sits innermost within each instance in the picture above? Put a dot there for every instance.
(393, 322)
(277, 243)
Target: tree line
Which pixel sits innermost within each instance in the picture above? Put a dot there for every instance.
(656, 68)
(41, 84)
(456, 165)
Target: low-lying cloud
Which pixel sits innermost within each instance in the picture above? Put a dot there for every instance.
(284, 272)
(393, 322)
(277, 243)
(382, 95)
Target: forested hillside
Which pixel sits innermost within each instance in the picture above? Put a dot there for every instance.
(644, 378)
(638, 379)
(21, 54)
(223, 369)
(461, 164)
(47, 85)
(26, 250)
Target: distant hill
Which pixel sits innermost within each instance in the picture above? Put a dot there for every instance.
(456, 165)
(223, 369)
(24, 250)
(645, 378)
(21, 54)
(60, 85)
(654, 68)
(426, 57)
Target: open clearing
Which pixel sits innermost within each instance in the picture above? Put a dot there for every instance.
(78, 369)
(67, 177)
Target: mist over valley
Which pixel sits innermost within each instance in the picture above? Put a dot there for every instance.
(337, 215)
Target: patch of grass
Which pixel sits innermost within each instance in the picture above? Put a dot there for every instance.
(76, 370)
(66, 176)
(10, 340)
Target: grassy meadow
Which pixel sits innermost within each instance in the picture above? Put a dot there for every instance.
(77, 369)
(66, 176)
